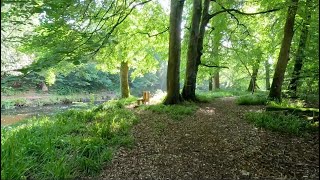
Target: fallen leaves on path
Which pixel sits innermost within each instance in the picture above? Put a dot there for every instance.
(215, 143)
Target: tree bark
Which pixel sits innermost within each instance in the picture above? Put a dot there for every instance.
(210, 83)
(217, 80)
(275, 91)
(267, 68)
(124, 80)
(188, 92)
(253, 80)
(173, 72)
(300, 55)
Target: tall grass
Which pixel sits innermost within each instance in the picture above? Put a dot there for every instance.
(65, 146)
(285, 123)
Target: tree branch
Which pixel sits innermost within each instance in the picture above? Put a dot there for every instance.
(240, 12)
(213, 66)
(152, 35)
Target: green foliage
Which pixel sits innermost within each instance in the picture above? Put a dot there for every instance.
(175, 112)
(282, 123)
(12, 103)
(116, 104)
(7, 104)
(69, 145)
(85, 78)
(252, 99)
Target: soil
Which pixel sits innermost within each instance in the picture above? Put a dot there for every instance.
(215, 143)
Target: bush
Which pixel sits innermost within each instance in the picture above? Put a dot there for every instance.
(176, 112)
(65, 146)
(282, 123)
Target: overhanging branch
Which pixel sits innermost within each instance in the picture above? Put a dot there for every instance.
(240, 12)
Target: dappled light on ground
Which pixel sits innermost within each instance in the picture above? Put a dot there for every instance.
(216, 142)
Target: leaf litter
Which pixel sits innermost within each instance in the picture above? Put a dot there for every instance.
(215, 143)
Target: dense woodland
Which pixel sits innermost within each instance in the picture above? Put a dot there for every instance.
(266, 53)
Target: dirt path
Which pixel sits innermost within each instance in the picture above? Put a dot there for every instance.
(215, 143)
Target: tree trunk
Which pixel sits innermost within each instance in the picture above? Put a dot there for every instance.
(217, 80)
(204, 21)
(173, 72)
(124, 71)
(253, 80)
(300, 55)
(267, 68)
(210, 83)
(275, 91)
(188, 92)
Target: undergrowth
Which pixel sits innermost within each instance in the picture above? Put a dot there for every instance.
(209, 96)
(288, 103)
(175, 112)
(280, 122)
(69, 145)
(252, 99)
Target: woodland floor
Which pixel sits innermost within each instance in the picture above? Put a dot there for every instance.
(215, 143)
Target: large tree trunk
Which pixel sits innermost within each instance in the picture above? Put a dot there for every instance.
(267, 68)
(253, 80)
(173, 73)
(124, 71)
(300, 55)
(275, 91)
(217, 80)
(188, 92)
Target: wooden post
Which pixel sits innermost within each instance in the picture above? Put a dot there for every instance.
(146, 97)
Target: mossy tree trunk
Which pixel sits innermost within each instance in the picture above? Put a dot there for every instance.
(275, 90)
(173, 72)
(188, 92)
(216, 80)
(124, 80)
(300, 55)
(267, 68)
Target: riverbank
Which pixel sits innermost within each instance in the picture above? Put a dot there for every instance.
(15, 108)
(35, 99)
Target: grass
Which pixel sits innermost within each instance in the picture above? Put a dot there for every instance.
(252, 99)
(69, 145)
(287, 103)
(115, 104)
(285, 123)
(175, 112)
(209, 96)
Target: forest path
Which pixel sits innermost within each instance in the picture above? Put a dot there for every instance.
(215, 143)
